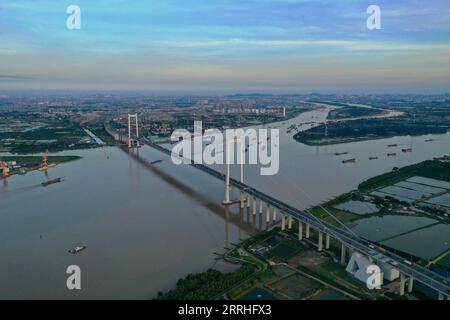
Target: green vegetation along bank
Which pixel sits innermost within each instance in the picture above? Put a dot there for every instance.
(206, 285)
(359, 130)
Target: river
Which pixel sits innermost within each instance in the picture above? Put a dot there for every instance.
(147, 226)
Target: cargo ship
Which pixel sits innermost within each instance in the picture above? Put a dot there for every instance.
(391, 154)
(349, 160)
(340, 153)
(52, 181)
(429, 140)
(392, 145)
(77, 249)
(407, 150)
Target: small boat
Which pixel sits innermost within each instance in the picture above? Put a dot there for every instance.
(340, 153)
(156, 161)
(77, 249)
(49, 182)
(373, 158)
(407, 150)
(391, 154)
(349, 160)
(392, 145)
(429, 140)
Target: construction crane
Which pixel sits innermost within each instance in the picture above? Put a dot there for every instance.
(45, 159)
(4, 169)
(45, 165)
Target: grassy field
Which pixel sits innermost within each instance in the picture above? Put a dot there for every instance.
(286, 249)
(53, 136)
(343, 216)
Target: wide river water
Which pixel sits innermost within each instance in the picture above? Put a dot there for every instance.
(147, 226)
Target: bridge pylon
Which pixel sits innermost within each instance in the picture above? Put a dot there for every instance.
(133, 142)
(237, 141)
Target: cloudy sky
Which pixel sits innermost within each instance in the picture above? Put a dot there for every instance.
(225, 46)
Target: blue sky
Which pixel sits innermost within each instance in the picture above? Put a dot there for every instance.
(221, 46)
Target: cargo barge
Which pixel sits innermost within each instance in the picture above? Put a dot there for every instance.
(349, 160)
(52, 181)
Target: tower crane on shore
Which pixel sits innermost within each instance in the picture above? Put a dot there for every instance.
(45, 165)
(5, 170)
(45, 159)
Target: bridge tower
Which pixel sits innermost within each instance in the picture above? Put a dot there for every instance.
(241, 158)
(133, 142)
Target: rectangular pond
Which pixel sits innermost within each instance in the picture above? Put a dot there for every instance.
(424, 189)
(443, 200)
(380, 228)
(358, 207)
(430, 182)
(425, 243)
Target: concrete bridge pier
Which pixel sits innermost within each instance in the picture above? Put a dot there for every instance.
(248, 200)
(442, 297)
(268, 213)
(327, 241)
(242, 200)
(343, 253)
(320, 241)
(307, 232)
(410, 284)
(350, 252)
(254, 206)
(274, 214)
(300, 230)
(283, 221)
(290, 222)
(402, 284)
(261, 206)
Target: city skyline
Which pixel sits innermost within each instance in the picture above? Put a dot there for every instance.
(219, 47)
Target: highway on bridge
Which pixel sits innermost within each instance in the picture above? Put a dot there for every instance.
(351, 240)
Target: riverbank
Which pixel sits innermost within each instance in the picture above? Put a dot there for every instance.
(24, 164)
(363, 130)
